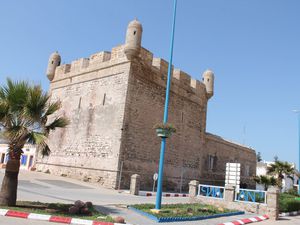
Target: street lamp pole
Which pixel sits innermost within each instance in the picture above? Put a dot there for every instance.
(165, 120)
(298, 114)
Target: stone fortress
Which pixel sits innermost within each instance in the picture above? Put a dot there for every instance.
(113, 100)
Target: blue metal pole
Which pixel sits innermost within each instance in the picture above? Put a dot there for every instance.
(163, 140)
(299, 152)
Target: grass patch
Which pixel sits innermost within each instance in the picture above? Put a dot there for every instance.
(182, 210)
(56, 209)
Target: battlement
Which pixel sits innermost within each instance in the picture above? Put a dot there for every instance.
(179, 77)
(94, 62)
(105, 59)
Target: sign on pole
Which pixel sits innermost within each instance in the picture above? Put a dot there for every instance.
(233, 175)
(155, 176)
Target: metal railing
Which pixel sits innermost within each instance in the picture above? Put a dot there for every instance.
(251, 196)
(211, 191)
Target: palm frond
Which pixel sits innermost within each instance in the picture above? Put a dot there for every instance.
(39, 139)
(45, 150)
(16, 94)
(52, 108)
(59, 122)
(16, 132)
(36, 138)
(36, 104)
(4, 109)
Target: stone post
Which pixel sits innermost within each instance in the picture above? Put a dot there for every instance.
(193, 186)
(229, 193)
(135, 184)
(273, 202)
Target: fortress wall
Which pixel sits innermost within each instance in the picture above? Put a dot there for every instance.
(94, 102)
(144, 108)
(225, 151)
(113, 104)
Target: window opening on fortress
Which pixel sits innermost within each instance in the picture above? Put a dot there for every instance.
(134, 32)
(247, 170)
(211, 160)
(104, 96)
(79, 103)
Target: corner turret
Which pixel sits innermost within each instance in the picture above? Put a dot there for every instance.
(208, 79)
(54, 61)
(133, 39)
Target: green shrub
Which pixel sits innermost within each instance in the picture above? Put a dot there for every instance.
(293, 192)
(288, 205)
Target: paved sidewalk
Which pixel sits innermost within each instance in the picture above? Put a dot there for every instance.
(287, 220)
(49, 188)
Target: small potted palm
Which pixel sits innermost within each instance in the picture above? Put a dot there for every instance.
(164, 130)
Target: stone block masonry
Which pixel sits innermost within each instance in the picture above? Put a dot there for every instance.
(113, 100)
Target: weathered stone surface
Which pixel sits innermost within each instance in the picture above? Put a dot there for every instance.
(193, 188)
(73, 210)
(79, 204)
(135, 184)
(113, 104)
(119, 219)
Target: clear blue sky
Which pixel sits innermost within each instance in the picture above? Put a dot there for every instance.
(251, 45)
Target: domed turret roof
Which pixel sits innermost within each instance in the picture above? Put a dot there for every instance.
(208, 73)
(135, 23)
(55, 55)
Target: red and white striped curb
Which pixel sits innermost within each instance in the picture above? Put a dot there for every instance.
(56, 219)
(148, 194)
(246, 221)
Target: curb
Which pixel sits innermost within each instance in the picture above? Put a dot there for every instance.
(56, 219)
(149, 194)
(295, 213)
(181, 219)
(246, 221)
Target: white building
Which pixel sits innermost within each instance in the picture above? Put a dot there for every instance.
(27, 159)
(287, 183)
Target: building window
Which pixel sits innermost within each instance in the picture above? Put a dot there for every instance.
(211, 161)
(247, 170)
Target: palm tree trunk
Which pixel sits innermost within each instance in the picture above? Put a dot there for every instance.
(8, 195)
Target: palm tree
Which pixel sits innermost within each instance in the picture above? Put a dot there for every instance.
(265, 180)
(279, 169)
(24, 112)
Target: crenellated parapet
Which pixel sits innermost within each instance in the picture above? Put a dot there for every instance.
(131, 51)
(105, 59)
(180, 79)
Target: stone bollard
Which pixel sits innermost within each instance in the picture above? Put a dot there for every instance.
(193, 186)
(135, 184)
(229, 193)
(273, 202)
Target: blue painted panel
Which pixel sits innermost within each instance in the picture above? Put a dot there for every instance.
(24, 160)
